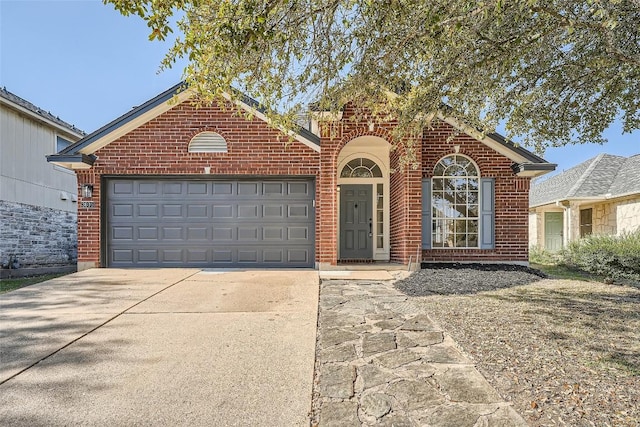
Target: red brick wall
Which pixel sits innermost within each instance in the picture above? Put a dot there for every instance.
(160, 147)
(511, 198)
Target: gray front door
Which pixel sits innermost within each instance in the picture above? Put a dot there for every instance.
(553, 231)
(355, 222)
(178, 222)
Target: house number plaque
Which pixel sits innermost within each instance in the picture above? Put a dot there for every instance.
(88, 205)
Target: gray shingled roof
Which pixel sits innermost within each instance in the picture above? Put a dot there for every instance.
(4, 93)
(602, 176)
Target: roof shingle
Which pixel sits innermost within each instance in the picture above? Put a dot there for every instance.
(605, 175)
(4, 93)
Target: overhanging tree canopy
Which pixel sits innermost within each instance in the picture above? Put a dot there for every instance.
(553, 71)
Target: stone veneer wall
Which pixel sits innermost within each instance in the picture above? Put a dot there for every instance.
(628, 215)
(37, 236)
(603, 219)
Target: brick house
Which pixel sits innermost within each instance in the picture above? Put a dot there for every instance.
(169, 184)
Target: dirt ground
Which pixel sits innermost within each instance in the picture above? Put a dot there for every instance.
(565, 352)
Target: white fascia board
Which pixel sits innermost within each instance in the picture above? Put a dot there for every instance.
(532, 174)
(264, 118)
(570, 199)
(72, 166)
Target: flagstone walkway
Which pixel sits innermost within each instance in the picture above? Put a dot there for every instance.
(381, 361)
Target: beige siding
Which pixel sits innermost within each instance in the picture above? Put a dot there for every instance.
(25, 175)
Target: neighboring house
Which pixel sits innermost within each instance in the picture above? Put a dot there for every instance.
(38, 200)
(599, 196)
(175, 185)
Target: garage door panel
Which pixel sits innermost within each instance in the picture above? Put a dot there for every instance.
(123, 210)
(197, 188)
(247, 211)
(300, 189)
(298, 211)
(172, 211)
(258, 223)
(172, 233)
(172, 256)
(147, 233)
(273, 211)
(122, 255)
(273, 189)
(222, 211)
(147, 188)
(148, 211)
(298, 256)
(198, 211)
(195, 255)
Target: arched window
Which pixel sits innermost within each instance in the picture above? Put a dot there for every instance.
(454, 202)
(208, 142)
(361, 168)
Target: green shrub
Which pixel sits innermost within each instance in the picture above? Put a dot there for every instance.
(614, 257)
(539, 255)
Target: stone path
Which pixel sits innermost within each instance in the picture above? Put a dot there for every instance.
(382, 361)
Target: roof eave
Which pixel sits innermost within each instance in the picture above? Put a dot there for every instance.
(127, 122)
(253, 107)
(63, 129)
(72, 161)
(532, 170)
(159, 105)
(497, 142)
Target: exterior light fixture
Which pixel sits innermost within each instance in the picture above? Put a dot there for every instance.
(87, 191)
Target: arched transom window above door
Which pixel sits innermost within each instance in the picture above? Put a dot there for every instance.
(361, 168)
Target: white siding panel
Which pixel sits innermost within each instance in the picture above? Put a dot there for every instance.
(25, 175)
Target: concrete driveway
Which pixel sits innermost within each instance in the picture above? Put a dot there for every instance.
(160, 347)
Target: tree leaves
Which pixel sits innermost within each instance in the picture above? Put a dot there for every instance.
(555, 72)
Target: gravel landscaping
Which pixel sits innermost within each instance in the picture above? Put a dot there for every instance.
(446, 279)
(564, 352)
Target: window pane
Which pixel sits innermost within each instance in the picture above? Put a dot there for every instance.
(361, 168)
(361, 172)
(472, 197)
(472, 170)
(455, 200)
(61, 143)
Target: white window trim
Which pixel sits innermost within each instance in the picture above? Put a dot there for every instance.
(433, 219)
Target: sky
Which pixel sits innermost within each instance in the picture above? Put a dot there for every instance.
(87, 64)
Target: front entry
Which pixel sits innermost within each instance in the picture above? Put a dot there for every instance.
(356, 234)
(553, 231)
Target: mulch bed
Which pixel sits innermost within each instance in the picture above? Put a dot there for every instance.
(565, 352)
(446, 279)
